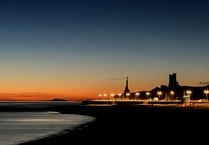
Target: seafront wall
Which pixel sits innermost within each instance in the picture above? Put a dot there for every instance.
(128, 102)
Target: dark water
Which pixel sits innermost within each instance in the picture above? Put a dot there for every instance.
(18, 127)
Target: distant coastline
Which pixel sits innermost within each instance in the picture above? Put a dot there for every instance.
(35, 105)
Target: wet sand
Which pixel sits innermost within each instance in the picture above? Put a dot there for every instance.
(141, 125)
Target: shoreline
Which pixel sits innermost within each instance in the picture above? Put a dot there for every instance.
(130, 124)
(59, 138)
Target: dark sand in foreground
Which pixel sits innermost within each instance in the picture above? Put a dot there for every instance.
(141, 125)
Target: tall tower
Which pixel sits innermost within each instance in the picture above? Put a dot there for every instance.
(126, 87)
(172, 81)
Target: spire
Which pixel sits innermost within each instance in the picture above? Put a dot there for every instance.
(126, 87)
(126, 82)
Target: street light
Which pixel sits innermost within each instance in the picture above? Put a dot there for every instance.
(159, 93)
(148, 95)
(100, 96)
(119, 95)
(188, 92)
(105, 95)
(206, 91)
(112, 95)
(137, 95)
(172, 93)
(127, 95)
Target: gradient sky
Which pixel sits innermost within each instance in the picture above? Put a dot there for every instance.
(80, 48)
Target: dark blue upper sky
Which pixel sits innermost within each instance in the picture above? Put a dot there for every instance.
(108, 38)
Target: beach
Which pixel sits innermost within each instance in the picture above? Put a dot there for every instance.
(135, 124)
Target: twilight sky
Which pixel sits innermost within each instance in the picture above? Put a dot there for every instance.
(80, 48)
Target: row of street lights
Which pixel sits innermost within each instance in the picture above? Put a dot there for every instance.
(148, 94)
(188, 92)
(112, 95)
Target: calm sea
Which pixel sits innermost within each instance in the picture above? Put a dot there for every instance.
(18, 127)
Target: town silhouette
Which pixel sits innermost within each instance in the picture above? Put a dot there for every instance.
(166, 94)
(173, 91)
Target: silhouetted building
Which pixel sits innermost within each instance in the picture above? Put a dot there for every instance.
(175, 91)
(126, 94)
(126, 90)
(172, 81)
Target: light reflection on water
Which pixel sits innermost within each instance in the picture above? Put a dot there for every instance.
(36, 120)
(17, 127)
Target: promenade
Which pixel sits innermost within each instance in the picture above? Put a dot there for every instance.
(144, 102)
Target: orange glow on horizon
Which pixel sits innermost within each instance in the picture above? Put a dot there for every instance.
(28, 93)
(40, 97)
(79, 89)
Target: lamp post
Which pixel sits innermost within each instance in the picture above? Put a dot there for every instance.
(159, 93)
(119, 95)
(188, 92)
(112, 96)
(148, 95)
(128, 95)
(100, 96)
(105, 95)
(137, 95)
(172, 93)
(206, 91)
